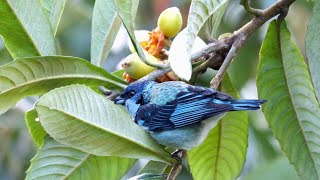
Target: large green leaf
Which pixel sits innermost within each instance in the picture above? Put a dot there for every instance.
(312, 47)
(79, 117)
(57, 161)
(38, 75)
(292, 110)
(105, 26)
(25, 29)
(54, 9)
(210, 28)
(36, 131)
(127, 10)
(223, 153)
(199, 13)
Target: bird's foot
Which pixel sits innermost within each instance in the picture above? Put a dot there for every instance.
(178, 155)
(109, 93)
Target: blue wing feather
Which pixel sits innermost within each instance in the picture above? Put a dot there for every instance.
(187, 108)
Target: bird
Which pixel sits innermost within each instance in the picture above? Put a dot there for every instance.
(177, 114)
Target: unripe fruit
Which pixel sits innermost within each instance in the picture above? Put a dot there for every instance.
(170, 22)
(222, 36)
(135, 68)
(142, 37)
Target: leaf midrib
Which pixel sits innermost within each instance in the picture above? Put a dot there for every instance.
(111, 132)
(291, 98)
(62, 77)
(22, 26)
(77, 166)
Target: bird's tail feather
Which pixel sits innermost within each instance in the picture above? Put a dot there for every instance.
(246, 104)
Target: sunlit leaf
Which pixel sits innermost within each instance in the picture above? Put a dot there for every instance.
(223, 154)
(179, 56)
(57, 161)
(199, 13)
(154, 167)
(211, 26)
(36, 131)
(38, 75)
(105, 26)
(77, 116)
(118, 73)
(292, 110)
(312, 48)
(54, 9)
(149, 176)
(127, 10)
(25, 29)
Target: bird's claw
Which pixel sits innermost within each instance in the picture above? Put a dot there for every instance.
(109, 93)
(178, 156)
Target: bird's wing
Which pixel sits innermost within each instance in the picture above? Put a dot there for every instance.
(187, 108)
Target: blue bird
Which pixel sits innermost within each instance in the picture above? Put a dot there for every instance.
(177, 114)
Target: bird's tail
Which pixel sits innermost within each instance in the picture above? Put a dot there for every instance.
(246, 104)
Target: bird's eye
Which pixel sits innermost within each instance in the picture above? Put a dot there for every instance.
(131, 93)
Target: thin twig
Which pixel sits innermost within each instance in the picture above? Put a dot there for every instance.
(232, 53)
(249, 9)
(176, 168)
(211, 47)
(202, 68)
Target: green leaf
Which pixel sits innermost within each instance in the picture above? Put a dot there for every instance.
(77, 116)
(38, 75)
(180, 50)
(36, 131)
(118, 73)
(127, 10)
(57, 161)
(223, 153)
(292, 110)
(54, 9)
(5, 56)
(105, 26)
(211, 26)
(149, 176)
(25, 29)
(312, 48)
(153, 167)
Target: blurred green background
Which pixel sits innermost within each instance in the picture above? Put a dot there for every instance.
(264, 158)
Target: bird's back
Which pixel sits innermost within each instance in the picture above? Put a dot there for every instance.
(162, 93)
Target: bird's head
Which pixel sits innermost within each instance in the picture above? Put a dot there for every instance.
(133, 92)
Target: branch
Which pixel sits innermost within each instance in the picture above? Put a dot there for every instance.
(224, 45)
(204, 52)
(247, 7)
(231, 54)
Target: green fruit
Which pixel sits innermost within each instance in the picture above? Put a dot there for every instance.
(222, 36)
(170, 22)
(135, 68)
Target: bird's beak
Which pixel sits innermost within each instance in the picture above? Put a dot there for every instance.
(119, 100)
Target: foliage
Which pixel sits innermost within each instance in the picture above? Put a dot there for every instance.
(80, 134)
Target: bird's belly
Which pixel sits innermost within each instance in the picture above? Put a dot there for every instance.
(186, 137)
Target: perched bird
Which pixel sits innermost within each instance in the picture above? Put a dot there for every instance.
(177, 114)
